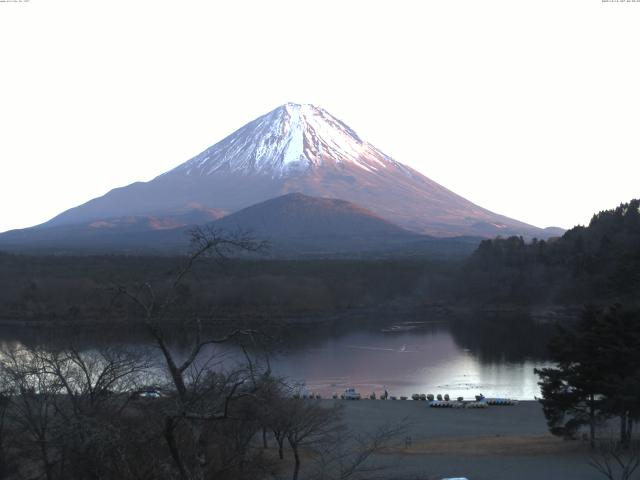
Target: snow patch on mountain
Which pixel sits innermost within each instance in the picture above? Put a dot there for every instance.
(289, 140)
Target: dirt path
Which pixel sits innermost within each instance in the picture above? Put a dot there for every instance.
(511, 445)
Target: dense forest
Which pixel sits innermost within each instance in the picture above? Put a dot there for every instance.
(599, 263)
(50, 289)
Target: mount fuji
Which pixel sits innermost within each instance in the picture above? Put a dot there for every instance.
(292, 149)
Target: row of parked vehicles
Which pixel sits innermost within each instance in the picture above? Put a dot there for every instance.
(437, 401)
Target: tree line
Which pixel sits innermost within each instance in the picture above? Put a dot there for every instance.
(599, 263)
(79, 289)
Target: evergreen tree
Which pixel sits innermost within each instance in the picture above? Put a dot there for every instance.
(597, 375)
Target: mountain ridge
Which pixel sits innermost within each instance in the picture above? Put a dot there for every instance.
(294, 225)
(301, 148)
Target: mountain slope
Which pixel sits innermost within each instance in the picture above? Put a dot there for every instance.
(301, 148)
(298, 225)
(294, 225)
(299, 216)
(128, 233)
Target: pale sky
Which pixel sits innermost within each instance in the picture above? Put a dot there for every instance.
(528, 108)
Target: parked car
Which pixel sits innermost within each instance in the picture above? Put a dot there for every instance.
(351, 394)
(149, 393)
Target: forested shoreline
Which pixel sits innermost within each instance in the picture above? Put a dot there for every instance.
(597, 264)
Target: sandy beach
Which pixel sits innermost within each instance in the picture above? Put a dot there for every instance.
(508, 442)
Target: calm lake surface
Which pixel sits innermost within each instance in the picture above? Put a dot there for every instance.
(421, 359)
(494, 356)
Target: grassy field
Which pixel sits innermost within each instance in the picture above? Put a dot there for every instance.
(510, 443)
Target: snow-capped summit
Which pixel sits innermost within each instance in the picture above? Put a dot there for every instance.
(304, 149)
(287, 141)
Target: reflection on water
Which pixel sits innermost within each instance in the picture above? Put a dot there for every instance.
(494, 356)
(430, 359)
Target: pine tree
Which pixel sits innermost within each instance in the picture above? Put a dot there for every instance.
(597, 373)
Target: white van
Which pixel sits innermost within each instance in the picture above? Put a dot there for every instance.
(351, 394)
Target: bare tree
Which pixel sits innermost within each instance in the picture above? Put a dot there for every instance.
(307, 423)
(66, 407)
(94, 379)
(614, 460)
(33, 409)
(205, 241)
(5, 401)
(201, 394)
(345, 454)
(278, 422)
(95, 390)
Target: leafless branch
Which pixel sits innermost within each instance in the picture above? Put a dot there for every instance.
(615, 461)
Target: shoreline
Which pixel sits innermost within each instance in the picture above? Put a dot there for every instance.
(543, 313)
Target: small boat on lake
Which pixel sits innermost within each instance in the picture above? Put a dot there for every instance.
(446, 404)
(496, 400)
(500, 401)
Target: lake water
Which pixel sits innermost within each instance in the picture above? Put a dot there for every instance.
(494, 356)
(423, 359)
